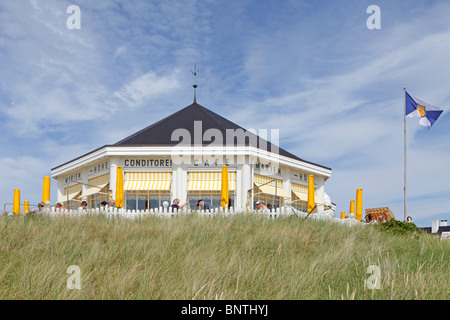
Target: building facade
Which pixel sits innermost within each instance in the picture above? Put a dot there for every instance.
(181, 156)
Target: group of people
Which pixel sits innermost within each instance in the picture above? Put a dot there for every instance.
(175, 205)
(112, 204)
(200, 204)
(83, 206)
(260, 205)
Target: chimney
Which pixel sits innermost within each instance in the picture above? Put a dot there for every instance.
(443, 223)
(434, 226)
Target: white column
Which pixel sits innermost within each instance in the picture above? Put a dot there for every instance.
(286, 171)
(174, 186)
(84, 181)
(245, 185)
(434, 226)
(179, 183)
(60, 185)
(113, 164)
(237, 192)
(182, 183)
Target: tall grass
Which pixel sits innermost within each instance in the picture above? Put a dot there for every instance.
(236, 257)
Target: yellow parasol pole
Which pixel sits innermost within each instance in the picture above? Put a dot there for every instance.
(16, 202)
(311, 200)
(359, 204)
(224, 197)
(352, 207)
(46, 190)
(119, 188)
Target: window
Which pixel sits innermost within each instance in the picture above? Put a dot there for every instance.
(146, 200)
(211, 199)
(269, 200)
(96, 199)
(131, 202)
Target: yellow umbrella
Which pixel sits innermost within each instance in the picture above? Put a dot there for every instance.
(119, 188)
(224, 197)
(352, 206)
(16, 202)
(343, 215)
(46, 190)
(26, 206)
(311, 200)
(359, 204)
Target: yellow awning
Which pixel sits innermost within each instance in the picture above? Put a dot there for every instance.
(96, 185)
(270, 189)
(93, 190)
(74, 193)
(99, 180)
(301, 192)
(299, 188)
(260, 179)
(304, 197)
(147, 181)
(300, 195)
(268, 185)
(210, 181)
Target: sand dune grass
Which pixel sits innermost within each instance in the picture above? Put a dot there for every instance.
(238, 257)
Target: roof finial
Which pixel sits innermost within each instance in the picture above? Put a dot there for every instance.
(194, 72)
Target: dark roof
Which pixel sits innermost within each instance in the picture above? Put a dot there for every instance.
(440, 230)
(160, 133)
(443, 229)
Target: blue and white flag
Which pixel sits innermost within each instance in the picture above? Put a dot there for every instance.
(417, 108)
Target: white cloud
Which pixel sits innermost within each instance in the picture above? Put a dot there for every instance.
(146, 87)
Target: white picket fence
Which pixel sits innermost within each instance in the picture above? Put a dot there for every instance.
(115, 213)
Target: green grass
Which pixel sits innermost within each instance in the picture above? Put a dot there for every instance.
(238, 257)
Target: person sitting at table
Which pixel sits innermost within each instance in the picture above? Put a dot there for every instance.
(176, 204)
(201, 205)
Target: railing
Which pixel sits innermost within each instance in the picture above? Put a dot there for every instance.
(161, 212)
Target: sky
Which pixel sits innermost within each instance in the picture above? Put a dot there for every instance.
(312, 69)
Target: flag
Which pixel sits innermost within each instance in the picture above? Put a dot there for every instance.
(417, 108)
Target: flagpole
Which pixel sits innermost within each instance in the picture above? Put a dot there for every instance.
(404, 130)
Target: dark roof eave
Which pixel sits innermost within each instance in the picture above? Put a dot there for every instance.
(84, 155)
(166, 145)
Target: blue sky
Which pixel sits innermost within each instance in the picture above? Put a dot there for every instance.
(312, 69)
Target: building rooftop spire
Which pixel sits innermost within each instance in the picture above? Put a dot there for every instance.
(194, 72)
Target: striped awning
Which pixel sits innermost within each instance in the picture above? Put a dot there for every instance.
(147, 181)
(270, 186)
(300, 195)
(210, 181)
(74, 192)
(97, 185)
(300, 192)
(97, 189)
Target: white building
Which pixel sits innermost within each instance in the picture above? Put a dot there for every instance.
(181, 156)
